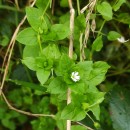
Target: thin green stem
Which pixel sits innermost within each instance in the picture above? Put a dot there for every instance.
(51, 3)
(78, 7)
(81, 46)
(28, 74)
(128, 4)
(116, 27)
(38, 36)
(16, 19)
(39, 41)
(9, 8)
(103, 23)
(46, 7)
(91, 55)
(99, 32)
(117, 73)
(90, 117)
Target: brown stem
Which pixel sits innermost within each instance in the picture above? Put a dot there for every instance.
(24, 112)
(87, 127)
(72, 12)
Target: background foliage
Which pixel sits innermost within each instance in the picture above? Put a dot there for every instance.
(22, 87)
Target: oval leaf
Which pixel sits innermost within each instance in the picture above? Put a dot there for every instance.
(27, 37)
(42, 75)
(36, 19)
(112, 35)
(73, 113)
(117, 4)
(57, 86)
(97, 44)
(62, 31)
(105, 10)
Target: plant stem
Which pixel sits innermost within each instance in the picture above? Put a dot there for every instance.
(9, 8)
(39, 41)
(81, 46)
(87, 127)
(24, 112)
(78, 7)
(72, 12)
(101, 27)
(68, 102)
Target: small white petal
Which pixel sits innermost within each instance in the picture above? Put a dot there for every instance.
(76, 73)
(72, 73)
(122, 39)
(75, 77)
(75, 80)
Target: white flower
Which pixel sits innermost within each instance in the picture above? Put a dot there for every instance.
(122, 39)
(75, 76)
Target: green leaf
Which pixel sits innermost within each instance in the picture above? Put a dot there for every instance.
(117, 4)
(80, 22)
(50, 36)
(64, 3)
(65, 64)
(119, 108)
(42, 4)
(42, 75)
(16, 94)
(112, 35)
(51, 51)
(86, 65)
(36, 19)
(29, 51)
(93, 73)
(38, 63)
(57, 32)
(28, 84)
(8, 123)
(43, 124)
(77, 127)
(61, 124)
(4, 40)
(97, 44)
(97, 74)
(105, 10)
(30, 63)
(96, 111)
(123, 18)
(93, 101)
(64, 18)
(78, 87)
(57, 86)
(61, 30)
(73, 113)
(27, 37)
(78, 99)
(43, 63)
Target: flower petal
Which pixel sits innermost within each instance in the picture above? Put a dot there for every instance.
(75, 77)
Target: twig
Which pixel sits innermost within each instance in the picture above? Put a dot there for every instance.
(10, 49)
(87, 127)
(24, 112)
(72, 12)
(17, 4)
(53, 5)
(90, 7)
